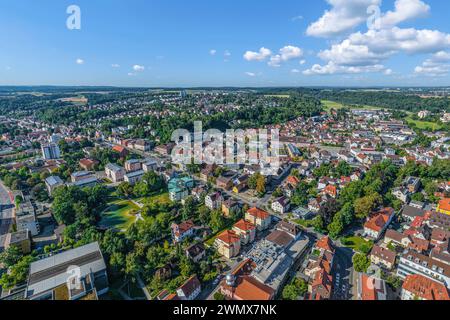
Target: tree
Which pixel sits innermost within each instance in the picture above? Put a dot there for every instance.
(360, 262)
(10, 256)
(17, 274)
(261, 185)
(365, 205)
(188, 209)
(328, 210)
(217, 222)
(318, 224)
(124, 190)
(219, 296)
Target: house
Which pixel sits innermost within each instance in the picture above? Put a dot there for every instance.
(228, 244)
(401, 194)
(142, 145)
(149, 165)
(196, 252)
(398, 238)
(190, 289)
(439, 220)
(88, 164)
(122, 151)
(418, 287)
(26, 218)
(214, 200)
(230, 207)
(314, 205)
(80, 175)
(412, 262)
(225, 182)
(115, 172)
(371, 288)
(379, 222)
(182, 231)
(133, 165)
(76, 274)
(179, 188)
(165, 149)
(410, 213)
(281, 205)
(331, 190)
(412, 184)
(444, 206)
(383, 257)
(198, 192)
(245, 230)
(52, 183)
(20, 240)
(260, 218)
(134, 177)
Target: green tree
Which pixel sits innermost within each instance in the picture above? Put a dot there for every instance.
(360, 262)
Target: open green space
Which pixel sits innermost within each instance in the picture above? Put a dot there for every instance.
(119, 215)
(358, 244)
(336, 105)
(424, 125)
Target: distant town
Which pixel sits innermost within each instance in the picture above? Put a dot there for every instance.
(93, 207)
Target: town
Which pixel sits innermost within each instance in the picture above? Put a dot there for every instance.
(358, 208)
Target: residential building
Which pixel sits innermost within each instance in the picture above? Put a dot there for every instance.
(134, 177)
(50, 151)
(281, 205)
(133, 165)
(88, 164)
(182, 231)
(245, 230)
(190, 289)
(412, 262)
(52, 183)
(377, 224)
(383, 257)
(150, 165)
(230, 207)
(80, 175)
(115, 172)
(19, 239)
(418, 287)
(260, 218)
(214, 200)
(228, 244)
(196, 252)
(444, 206)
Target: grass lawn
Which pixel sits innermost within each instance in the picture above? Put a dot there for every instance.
(304, 223)
(357, 243)
(424, 125)
(336, 105)
(118, 215)
(162, 198)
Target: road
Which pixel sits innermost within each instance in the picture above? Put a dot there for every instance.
(6, 211)
(342, 274)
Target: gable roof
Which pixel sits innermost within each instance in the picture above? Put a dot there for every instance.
(258, 213)
(425, 288)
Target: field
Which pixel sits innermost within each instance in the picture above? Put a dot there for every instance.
(424, 125)
(119, 215)
(336, 105)
(160, 199)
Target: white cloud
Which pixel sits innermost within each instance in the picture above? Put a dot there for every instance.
(388, 72)
(115, 65)
(343, 17)
(261, 55)
(227, 54)
(275, 61)
(290, 52)
(251, 74)
(213, 52)
(404, 10)
(332, 68)
(131, 74)
(437, 65)
(79, 61)
(295, 71)
(296, 18)
(138, 68)
(302, 62)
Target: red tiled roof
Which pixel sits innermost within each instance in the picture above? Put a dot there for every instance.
(229, 237)
(425, 288)
(258, 213)
(244, 225)
(325, 244)
(444, 204)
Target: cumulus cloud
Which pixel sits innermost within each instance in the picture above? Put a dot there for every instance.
(437, 65)
(138, 68)
(404, 10)
(251, 74)
(79, 61)
(286, 53)
(342, 18)
(213, 52)
(261, 55)
(367, 51)
(115, 65)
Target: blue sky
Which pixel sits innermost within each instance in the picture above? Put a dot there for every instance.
(225, 43)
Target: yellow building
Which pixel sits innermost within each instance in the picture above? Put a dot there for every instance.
(444, 206)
